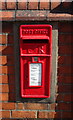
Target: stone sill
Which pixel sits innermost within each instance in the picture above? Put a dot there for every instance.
(33, 15)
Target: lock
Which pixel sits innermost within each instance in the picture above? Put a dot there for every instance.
(35, 60)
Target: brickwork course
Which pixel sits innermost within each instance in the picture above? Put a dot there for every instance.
(34, 11)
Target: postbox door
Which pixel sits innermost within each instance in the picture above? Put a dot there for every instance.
(35, 61)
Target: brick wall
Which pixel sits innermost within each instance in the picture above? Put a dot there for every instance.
(65, 69)
(34, 4)
(36, 10)
(12, 109)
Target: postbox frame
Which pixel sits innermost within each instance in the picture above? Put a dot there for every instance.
(16, 33)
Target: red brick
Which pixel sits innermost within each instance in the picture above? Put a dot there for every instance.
(64, 106)
(3, 79)
(65, 49)
(7, 15)
(65, 38)
(65, 70)
(59, 97)
(11, 79)
(7, 60)
(0, 96)
(12, 96)
(67, 115)
(5, 50)
(65, 88)
(53, 106)
(20, 106)
(35, 106)
(0, 105)
(60, 17)
(33, 4)
(22, 4)
(4, 88)
(11, 87)
(55, 4)
(9, 119)
(65, 60)
(66, 4)
(44, 4)
(7, 27)
(2, 4)
(46, 114)
(10, 39)
(11, 4)
(65, 79)
(3, 38)
(67, 98)
(66, 27)
(23, 114)
(3, 96)
(3, 60)
(6, 69)
(5, 114)
(8, 106)
(10, 60)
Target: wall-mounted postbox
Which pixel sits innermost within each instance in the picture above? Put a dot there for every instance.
(35, 60)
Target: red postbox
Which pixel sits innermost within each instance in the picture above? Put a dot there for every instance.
(35, 60)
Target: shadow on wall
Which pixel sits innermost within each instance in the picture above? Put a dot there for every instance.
(8, 68)
(64, 7)
(65, 71)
